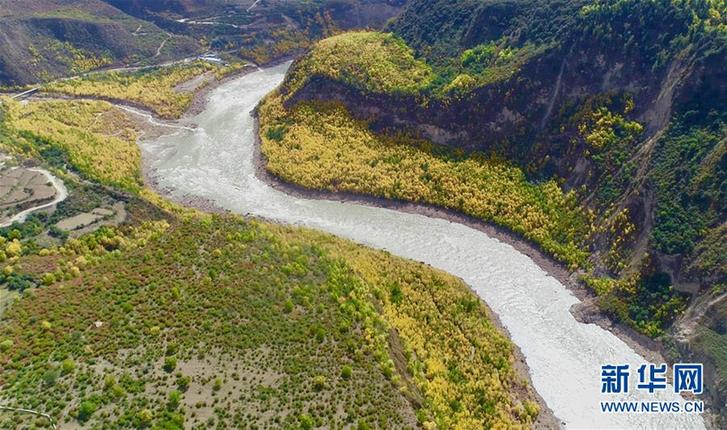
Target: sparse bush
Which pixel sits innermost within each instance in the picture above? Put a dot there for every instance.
(58, 233)
(145, 417)
(172, 349)
(86, 409)
(306, 422)
(217, 386)
(288, 306)
(50, 377)
(319, 383)
(183, 383)
(68, 366)
(48, 279)
(5, 345)
(170, 363)
(175, 398)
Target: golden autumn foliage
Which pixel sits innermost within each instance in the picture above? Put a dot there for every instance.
(154, 88)
(457, 365)
(603, 128)
(376, 62)
(383, 63)
(321, 147)
(456, 358)
(97, 139)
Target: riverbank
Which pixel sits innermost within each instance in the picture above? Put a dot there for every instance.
(587, 311)
(196, 105)
(199, 101)
(546, 418)
(217, 161)
(547, 264)
(201, 97)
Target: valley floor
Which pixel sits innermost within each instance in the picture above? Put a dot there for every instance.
(171, 318)
(200, 163)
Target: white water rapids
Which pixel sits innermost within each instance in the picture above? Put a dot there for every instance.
(215, 161)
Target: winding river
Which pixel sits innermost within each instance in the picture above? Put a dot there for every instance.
(215, 162)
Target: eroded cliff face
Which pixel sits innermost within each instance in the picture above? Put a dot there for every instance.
(634, 123)
(535, 118)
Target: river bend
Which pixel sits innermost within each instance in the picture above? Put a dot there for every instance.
(215, 161)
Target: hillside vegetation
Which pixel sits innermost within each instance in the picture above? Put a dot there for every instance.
(96, 139)
(383, 63)
(370, 61)
(247, 320)
(47, 39)
(321, 147)
(603, 130)
(178, 319)
(609, 105)
(156, 89)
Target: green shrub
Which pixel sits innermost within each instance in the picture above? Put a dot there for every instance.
(145, 417)
(48, 279)
(172, 349)
(58, 233)
(86, 409)
(183, 383)
(50, 377)
(396, 295)
(346, 372)
(276, 133)
(288, 306)
(175, 397)
(170, 363)
(306, 422)
(5, 345)
(68, 366)
(319, 383)
(117, 391)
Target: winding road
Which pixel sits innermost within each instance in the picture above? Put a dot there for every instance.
(215, 161)
(61, 194)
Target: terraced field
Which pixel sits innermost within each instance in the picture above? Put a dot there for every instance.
(22, 189)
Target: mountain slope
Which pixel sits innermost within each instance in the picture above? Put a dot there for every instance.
(171, 318)
(47, 39)
(619, 103)
(42, 40)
